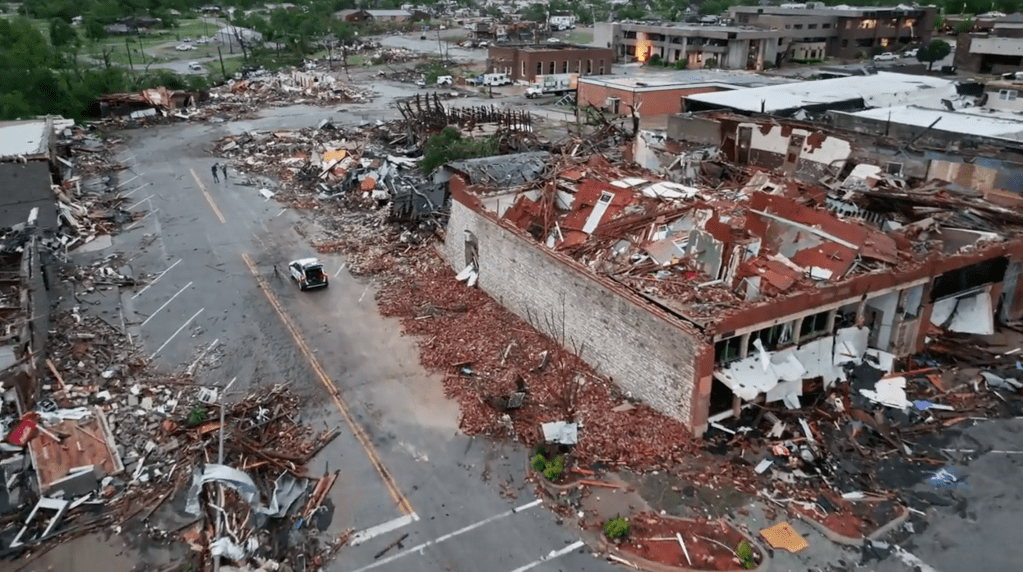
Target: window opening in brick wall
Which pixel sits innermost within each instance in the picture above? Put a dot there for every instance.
(727, 351)
(772, 338)
(814, 325)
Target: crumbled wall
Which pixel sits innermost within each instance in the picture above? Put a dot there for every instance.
(649, 355)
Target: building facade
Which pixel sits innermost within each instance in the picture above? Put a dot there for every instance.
(662, 94)
(725, 47)
(998, 51)
(841, 32)
(524, 63)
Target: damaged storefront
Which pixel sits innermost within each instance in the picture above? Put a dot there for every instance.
(775, 264)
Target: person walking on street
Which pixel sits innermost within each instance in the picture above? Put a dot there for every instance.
(223, 169)
(216, 178)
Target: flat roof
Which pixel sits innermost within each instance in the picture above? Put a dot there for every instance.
(669, 27)
(979, 121)
(883, 89)
(841, 10)
(24, 138)
(685, 78)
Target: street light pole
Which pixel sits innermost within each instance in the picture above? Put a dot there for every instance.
(220, 488)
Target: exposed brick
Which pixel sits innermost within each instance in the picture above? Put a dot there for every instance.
(645, 353)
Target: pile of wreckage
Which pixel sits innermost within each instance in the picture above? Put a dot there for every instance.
(89, 199)
(238, 98)
(110, 442)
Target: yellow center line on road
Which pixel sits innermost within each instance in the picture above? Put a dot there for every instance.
(392, 488)
(209, 199)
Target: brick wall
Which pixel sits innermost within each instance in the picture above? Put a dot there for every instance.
(646, 352)
(659, 102)
(584, 61)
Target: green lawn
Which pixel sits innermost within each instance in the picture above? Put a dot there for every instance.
(579, 37)
(230, 64)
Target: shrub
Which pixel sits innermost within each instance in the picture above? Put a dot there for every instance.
(745, 553)
(617, 527)
(710, 63)
(655, 60)
(538, 462)
(553, 469)
(681, 64)
(196, 415)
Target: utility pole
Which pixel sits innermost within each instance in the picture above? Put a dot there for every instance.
(127, 49)
(220, 488)
(223, 70)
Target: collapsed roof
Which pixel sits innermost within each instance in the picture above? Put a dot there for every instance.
(738, 236)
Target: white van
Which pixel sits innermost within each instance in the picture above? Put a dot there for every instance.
(496, 79)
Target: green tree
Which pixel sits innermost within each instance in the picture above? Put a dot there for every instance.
(964, 26)
(712, 7)
(932, 52)
(631, 13)
(939, 22)
(534, 13)
(94, 29)
(62, 35)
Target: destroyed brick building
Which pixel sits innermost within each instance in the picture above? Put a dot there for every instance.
(781, 253)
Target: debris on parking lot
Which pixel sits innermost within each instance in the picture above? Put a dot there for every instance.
(112, 441)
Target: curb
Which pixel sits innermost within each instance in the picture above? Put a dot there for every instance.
(848, 540)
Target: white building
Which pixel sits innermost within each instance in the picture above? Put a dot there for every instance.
(233, 37)
(561, 22)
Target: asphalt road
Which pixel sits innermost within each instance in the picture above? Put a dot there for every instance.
(209, 250)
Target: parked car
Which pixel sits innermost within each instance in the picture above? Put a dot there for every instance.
(421, 83)
(187, 40)
(445, 80)
(886, 57)
(910, 53)
(534, 91)
(308, 272)
(194, 66)
(184, 48)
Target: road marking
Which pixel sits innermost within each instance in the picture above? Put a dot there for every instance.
(209, 199)
(339, 270)
(364, 291)
(121, 184)
(175, 334)
(148, 214)
(142, 186)
(140, 202)
(375, 531)
(280, 213)
(448, 536)
(553, 554)
(360, 435)
(157, 279)
(153, 315)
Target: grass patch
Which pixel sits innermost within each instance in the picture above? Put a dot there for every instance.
(578, 37)
(232, 65)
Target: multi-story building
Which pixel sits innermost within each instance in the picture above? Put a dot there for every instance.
(840, 32)
(997, 51)
(524, 63)
(726, 47)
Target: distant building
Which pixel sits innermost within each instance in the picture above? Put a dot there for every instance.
(840, 31)
(662, 93)
(726, 47)
(998, 51)
(233, 37)
(561, 21)
(381, 15)
(524, 63)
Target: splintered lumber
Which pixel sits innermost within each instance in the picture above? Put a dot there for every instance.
(323, 487)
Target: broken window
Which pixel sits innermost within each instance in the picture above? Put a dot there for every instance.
(1007, 94)
(772, 338)
(728, 350)
(539, 68)
(814, 325)
(894, 169)
(589, 66)
(553, 63)
(605, 197)
(956, 281)
(564, 66)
